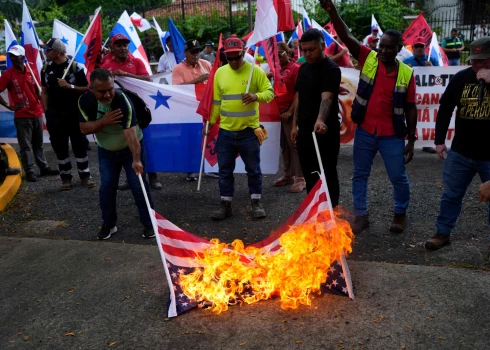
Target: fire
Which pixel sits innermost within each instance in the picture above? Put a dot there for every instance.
(249, 274)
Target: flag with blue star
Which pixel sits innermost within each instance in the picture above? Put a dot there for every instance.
(160, 100)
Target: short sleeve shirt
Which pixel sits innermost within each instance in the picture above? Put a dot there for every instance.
(379, 114)
(313, 80)
(132, 65)
(59, 99)
(290, 75)
(183, 73)
(22, 88)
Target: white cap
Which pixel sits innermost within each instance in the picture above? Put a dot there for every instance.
(17, 50)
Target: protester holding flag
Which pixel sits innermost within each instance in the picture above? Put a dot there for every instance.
(469, 92)
(167, 61)
(122, 62)
(373, 35)
(59, 98)
(292, 168)
(23, 90)
(317, 107)
(192, 70)
(109, 114)
(419, 58)
(385, 101)
(453, 45)
(240, 131)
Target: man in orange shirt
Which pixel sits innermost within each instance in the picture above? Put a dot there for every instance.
(124, 64)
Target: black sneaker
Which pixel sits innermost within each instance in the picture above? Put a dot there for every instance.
(106, 232)
(148, 232)
(49, 172)
(30, 177)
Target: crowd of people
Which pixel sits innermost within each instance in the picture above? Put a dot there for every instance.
(384, 110)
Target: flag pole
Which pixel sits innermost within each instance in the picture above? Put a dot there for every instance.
(81, 42)
(35, 79)
(202, 156)
(322, 175)
(252, 70)
(159, 31)
(106, 40)
(159, 243)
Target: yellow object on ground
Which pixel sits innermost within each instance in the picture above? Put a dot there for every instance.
(12, 183)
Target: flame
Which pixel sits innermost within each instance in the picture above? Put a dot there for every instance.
(250, 274)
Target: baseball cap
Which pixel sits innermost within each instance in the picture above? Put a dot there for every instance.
(55, 44)
(419, 40)
(480, 49)
(233, 44)
(375, 29)
(17, 50)
(371, 39)
(192, 45)
(209, 43)
(120, 37)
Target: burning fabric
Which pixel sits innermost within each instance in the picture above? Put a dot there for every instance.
(306, 255)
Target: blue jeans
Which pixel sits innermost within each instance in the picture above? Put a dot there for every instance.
(392, 150)
(110, 164)
(228, 146)
(454, 61)
(457, 174)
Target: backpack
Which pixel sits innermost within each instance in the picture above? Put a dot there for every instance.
(143, 113)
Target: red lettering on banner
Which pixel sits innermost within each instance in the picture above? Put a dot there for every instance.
(450, 134)
(425, 115)
(435, 114)
(425, 99)
(434, 99)
(428, 134)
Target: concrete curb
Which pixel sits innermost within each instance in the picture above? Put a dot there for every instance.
(12, 183)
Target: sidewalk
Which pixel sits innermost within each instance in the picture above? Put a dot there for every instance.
(68, 294)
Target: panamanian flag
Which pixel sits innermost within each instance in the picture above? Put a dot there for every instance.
(71, 38)
(328, 38)
(10, 40)
(126, 27)
(174, 140)
(30, 40)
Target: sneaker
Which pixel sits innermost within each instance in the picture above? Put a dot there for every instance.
(283, 181)
(191, 177)
(437, 242)
(124, 186)
(430, 150)
(49, 172)
(257, 209)
(360, 223)
(14, 171)
(398, 223)
(65, 185)
(148, 232)
(154, 183)
(106, 232)
(224, 211)
(88, 183)
(30, 177)
(215, 175)
(298, 186)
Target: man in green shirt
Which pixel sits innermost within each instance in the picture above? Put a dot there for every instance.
(240, 131)
(110, 115)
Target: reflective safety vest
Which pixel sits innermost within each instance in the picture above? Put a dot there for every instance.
(366, 87)
(453, 43)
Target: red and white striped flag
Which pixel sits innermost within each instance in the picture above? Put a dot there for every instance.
(179, 250)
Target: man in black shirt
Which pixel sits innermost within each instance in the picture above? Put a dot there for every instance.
(469, 152)
(317, 109)
(60, 102)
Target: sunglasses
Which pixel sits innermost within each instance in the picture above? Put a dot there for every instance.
(418, 46)
(231, 59)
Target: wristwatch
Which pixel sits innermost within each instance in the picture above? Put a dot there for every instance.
(72, 86)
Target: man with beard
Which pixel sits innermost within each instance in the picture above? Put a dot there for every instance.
(385, 99)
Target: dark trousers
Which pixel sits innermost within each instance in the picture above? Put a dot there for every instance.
(30, 137)
(329, 145)
(64, 127)
(110, 165)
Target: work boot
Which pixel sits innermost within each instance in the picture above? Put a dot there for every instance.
(88, 183)
(13, 171)
(360, 223)
(437, 242)
(223, 211)
(257, 209)
(398, 223)
(154, 183)
(65, 185)
(49, 172)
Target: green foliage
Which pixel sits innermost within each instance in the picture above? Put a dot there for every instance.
(357, 16)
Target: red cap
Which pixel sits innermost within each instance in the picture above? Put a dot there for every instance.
(419, 40)
(233, 44)
(372, 38)
(120, 37)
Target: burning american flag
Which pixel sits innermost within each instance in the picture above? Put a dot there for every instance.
(305, 255)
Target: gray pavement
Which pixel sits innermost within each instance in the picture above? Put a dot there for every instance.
(69, 294)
